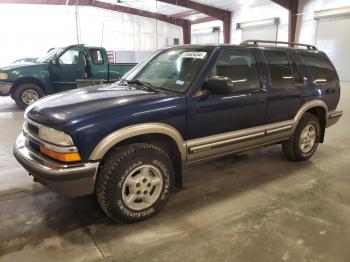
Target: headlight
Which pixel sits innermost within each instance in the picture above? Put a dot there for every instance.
(4, 76)
(54, 136)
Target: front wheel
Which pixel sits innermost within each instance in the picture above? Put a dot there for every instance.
(27, 93)
(305, 140)
(134, 182)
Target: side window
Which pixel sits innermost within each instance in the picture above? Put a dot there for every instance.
(280, 70)
(70, 57)
(240, 67)
(320, 67)
(96, 56)
(295, 70)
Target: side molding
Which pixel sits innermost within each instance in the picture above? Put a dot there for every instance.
(142, 129)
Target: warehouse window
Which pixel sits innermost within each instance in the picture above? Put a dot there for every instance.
(96, 56)
(280, 69)
(320, 67)
(240, 67)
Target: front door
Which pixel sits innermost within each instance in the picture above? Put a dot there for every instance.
(244, 108)
(67, 68)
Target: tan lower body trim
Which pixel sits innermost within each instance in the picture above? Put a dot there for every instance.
(241, 140)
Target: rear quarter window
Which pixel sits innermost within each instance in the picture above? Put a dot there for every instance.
(320, 67)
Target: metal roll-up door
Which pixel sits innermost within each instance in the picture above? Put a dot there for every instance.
(332, 37)
(266, 29)
(210, 35)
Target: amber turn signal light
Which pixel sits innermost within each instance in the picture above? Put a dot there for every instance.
(63, 157)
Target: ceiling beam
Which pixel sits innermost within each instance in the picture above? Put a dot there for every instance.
(283, 3)
(185, 24)
(220, 14)
(103, 5)
(184, 14)
(203, 20)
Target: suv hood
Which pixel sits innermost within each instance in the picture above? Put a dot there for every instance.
(72, 107)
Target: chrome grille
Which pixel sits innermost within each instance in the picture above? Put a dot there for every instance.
(32, 128)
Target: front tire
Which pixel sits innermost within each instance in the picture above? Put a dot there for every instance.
(27, 93)
(134, 182)
(304, 142)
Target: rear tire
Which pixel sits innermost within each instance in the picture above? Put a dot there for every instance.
(27, 93)
(134, 182)
(304, 142)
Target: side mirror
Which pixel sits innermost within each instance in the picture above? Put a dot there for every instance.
(219, 85)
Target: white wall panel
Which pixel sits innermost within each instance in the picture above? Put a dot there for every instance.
(203, 33)
(32, 29)
(261, 33)
(335, 43)
(247, 14)
(330, 35)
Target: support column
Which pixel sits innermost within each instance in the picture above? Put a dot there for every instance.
(227, 32)
(186, 31)
(292, 25)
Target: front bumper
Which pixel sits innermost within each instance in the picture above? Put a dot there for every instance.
(333, 117)
(5, 88)
(71, 180)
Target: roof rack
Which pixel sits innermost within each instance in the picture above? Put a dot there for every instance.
(256, 42)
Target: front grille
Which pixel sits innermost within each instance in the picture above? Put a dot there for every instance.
(32, 128)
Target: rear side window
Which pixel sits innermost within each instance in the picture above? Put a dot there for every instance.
(96, 56)
(320, 67)
(280, 69)
(240, 67)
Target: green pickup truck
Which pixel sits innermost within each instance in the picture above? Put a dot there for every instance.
(59, 70)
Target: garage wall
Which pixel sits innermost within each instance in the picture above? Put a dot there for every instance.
(329, 35)
(53, 26)
(250, 14)
(306, 24)
(202, 33)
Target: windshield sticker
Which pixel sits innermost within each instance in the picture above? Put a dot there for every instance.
(198, 55)
(179, 82)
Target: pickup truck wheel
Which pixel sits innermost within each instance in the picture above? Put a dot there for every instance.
(134, 182)
(305, 140)
(27, 93)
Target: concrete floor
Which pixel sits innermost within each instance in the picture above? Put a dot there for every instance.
(254, 207)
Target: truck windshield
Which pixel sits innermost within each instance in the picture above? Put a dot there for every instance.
(173, 69)
(50, 55)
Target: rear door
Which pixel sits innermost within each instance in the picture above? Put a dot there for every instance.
(287, 90)
(68, 67)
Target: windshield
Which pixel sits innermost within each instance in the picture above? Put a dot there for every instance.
(50, 55)
(173, 69)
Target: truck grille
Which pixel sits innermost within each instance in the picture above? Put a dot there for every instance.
(32, 128)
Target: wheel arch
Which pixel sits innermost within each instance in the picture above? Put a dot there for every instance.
(25, 80)
(161, 135)
(319, 109)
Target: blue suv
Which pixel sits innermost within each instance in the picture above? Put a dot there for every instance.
(127, 142)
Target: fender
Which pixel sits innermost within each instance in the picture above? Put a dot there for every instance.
(136, 130)
(308, 105)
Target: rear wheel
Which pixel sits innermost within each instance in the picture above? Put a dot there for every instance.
(134, 182)
(305, 140)
(27, 93)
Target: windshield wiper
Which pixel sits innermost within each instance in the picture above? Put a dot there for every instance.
(149, 86)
